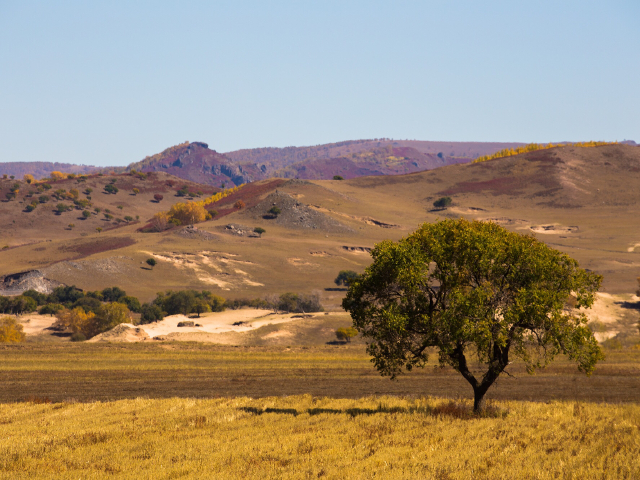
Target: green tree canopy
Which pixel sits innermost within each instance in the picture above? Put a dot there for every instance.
(345, 277)
(473, 288)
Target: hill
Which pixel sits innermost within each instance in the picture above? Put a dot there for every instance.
(579, 200)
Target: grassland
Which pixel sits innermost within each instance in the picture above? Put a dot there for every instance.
(309, 437)
(189, 410)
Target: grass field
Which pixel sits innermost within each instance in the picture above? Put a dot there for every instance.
(309, 437)
(189, 410)
(104, 372)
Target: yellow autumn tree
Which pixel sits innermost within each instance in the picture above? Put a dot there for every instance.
(29, 178)
(159, 221)
(188, 213)
(10, 330)
(76, 320)
(57, 175)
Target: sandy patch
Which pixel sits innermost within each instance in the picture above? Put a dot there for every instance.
(35, 324)
(298, 262)
(633, 247)
(209, 267)
(553, 229)
(242, 320)
(125, 332)
(279, 334)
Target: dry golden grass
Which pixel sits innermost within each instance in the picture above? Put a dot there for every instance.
(307, 437)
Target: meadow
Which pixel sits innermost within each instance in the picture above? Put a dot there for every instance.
(189, 410)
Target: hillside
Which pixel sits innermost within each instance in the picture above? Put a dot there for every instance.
(579, 200)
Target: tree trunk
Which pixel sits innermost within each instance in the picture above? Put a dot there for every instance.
(478, 400)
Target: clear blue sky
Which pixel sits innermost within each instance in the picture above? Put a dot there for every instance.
(107, 83)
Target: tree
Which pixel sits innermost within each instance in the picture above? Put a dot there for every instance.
(157, 197)
(201, 306)
(128, 218)
(473, 288)
(239, 205)
(259, 230)
(150, 313)
(57, 176)
(345, 277)
(132, 303)
(151, 262)
(338, 177)
(136, 191)
(159, 221)
(113, 294)
(29, 178)
(109, 316)
(346, 334)
(86, 214)
(98, 229)
(77, 320)
(11, 331)
(443, 202)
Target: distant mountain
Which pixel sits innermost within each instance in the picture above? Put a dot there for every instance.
(43, 169)
(196, 162)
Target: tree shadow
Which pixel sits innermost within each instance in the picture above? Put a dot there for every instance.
(629, 305)
(336, 289)
(450, 409)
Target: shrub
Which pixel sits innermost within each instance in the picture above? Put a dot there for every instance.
(299, 303)
(43, 198)
(443, 202)
(128, 218)
(111, 188)
(338, 177)
(61, 208)
(136, 191)
(30, 208)
(78, 337)
(11, 331)
(86, 214)
(239, 205)
(259, 230)
(275, 211)
(151, 262)
(188, 213)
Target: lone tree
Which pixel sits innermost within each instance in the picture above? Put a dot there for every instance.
(151, 262)
(157, 197)
(259, 231)
(345, 334)
(473, 288)
(275, 211)
(345, 277)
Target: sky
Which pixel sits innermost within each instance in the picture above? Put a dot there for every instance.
(110, 82)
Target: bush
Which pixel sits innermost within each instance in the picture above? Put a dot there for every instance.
(259, 230)
(239, 205)
(157, 197)
(30, 208)
(151, 262)
(443, 202)
(275, 211)
(78, 337)
(86, 214)
(338, 177)
(11, 331)
(111, 188)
